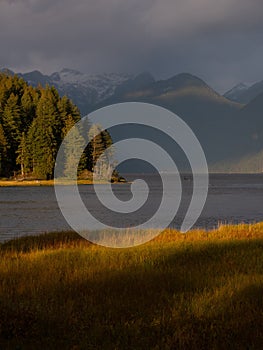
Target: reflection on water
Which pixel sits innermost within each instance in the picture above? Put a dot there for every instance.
(33, 210)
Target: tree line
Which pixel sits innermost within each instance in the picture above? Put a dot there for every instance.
(33, 123)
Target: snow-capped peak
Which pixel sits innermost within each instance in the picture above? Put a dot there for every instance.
(239, 87)
(234, 93)
(84, 89)
(104, 84)
(70, 75)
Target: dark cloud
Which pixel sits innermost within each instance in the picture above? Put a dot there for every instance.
(219, 40)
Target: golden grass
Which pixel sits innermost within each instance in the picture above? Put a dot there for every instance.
(201, 290)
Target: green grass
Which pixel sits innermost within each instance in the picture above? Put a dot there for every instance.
(202, 290)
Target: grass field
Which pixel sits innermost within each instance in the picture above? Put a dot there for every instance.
(202, 290)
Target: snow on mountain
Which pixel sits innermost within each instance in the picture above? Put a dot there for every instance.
(236, 91)
(85, 90)
(104, 84)
(245, 93)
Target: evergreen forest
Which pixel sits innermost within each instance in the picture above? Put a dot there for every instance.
(33, 123)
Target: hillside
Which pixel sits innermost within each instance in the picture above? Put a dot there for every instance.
(235, 93)
(247, 148)
(209, 114)
(243, 93)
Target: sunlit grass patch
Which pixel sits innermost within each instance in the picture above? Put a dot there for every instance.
(200, 290)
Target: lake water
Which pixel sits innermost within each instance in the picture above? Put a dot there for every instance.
(34, 210)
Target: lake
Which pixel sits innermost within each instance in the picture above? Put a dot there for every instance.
(33, 210)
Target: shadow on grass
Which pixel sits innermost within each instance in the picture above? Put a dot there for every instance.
(183, 296)
(53, 240)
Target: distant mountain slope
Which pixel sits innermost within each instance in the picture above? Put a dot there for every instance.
(172, 92)
(211, 116)
(243, 93)
(235, 93)
(247, 164)
(251, 121)
(246, 153)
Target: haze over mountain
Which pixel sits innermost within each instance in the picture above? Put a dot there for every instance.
(244, 93)
(234, 93)
(247, 156)
(209, 114)
(230, 132)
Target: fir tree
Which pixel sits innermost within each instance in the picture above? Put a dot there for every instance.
(74, 147)
(100, 140)
(3, 152)
(23, 155)
(43, 148)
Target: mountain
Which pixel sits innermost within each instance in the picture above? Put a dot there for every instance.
(235, 93)
(140, 81)
(247, 147)
(85, 90)
(210, 115)
(244, 93)
(174, 92)
(7, 71)
(251, 122)
(230, 132)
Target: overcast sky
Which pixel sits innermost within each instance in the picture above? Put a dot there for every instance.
(221, 41)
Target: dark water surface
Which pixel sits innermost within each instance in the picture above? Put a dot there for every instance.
(32, 210)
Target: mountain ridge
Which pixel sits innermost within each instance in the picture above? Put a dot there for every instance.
(244, 93)
(228, 131)
(82, 89)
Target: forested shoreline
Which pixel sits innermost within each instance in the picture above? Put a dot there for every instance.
(33, 123)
